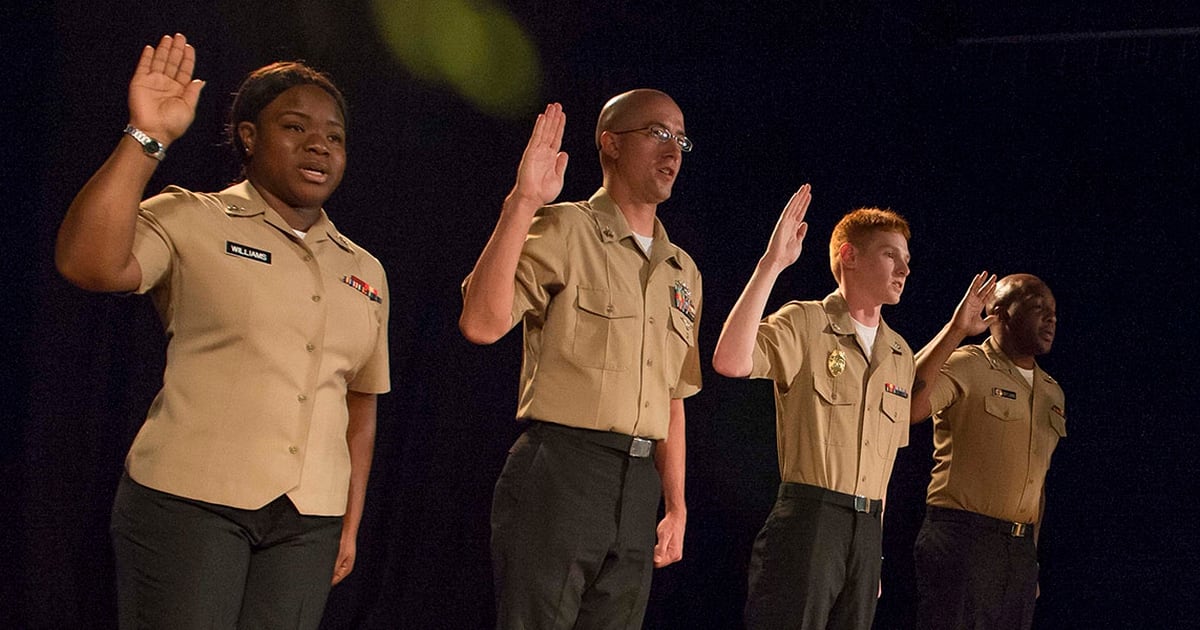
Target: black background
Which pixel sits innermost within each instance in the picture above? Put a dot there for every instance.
(1073, 159)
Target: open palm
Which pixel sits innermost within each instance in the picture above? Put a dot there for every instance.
(162, 94)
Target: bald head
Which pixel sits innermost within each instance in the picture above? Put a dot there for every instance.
(1014, 288)
(625, 111)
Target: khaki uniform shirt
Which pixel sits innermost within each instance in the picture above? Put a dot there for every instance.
(266, 333)
(610, 333)
(839, 414)
(993, 434)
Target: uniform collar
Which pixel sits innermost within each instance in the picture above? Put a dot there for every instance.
(613, 227)
(1001, 362)
(243, 200)
(840, 322)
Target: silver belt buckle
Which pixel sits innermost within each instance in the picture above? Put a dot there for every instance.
(862, 504)
(640, 447)
(1018, 530)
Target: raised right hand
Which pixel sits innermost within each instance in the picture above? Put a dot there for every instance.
(969, 316)
(788, 238)
(540, 175)
(162, 93)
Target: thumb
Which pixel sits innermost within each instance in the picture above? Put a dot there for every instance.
(191, 94)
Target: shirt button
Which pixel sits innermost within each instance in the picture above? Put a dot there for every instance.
(293, 450)
(309, 347)
(316, 298)
(609, 309)
(307, 257)
(646, 404)
(651, 320)
(649, 361)
(302, 398)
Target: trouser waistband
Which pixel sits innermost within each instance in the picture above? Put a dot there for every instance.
(632, 446)
(1008, 528)
(851, 501)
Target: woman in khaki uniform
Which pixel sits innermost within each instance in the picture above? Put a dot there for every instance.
(244, 487)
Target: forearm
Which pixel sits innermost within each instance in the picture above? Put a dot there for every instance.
(734, 353)
(670, 457)
(360, 438)
(488, 295)
(94, 249)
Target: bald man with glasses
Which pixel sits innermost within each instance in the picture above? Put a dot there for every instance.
(609, 309)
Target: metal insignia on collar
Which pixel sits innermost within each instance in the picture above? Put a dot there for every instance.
(608, 232)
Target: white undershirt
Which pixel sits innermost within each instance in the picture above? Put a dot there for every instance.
(300, 233)
(644, 242)
(1028, 374)
(865, 335)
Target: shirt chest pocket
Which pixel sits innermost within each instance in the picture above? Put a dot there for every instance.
(893, 423)
(682, 327)
(1003, 409)
(606, 333)
(837, 411)
(1058, 423)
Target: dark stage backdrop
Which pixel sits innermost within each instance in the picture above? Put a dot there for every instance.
(1074, 159)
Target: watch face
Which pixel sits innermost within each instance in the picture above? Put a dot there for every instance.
(151, 146)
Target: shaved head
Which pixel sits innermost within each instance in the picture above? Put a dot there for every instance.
(624, 111)
(1013, 288)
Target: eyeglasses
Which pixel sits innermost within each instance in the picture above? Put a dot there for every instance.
(663, 135)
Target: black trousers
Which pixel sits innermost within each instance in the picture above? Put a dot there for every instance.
(184, 564)
(815, 564)
(972, 574)
(573, 531)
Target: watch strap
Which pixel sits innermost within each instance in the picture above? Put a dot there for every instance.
(150, 146)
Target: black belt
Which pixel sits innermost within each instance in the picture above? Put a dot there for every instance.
(630, 445)
(1008, 528)
(825, 495)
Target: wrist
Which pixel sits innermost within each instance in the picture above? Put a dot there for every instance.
(770, 265)
(519, 206)
(151, 145)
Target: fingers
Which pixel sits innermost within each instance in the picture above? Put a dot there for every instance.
(143, 65)
(173, 57)
(548, 129)
(797, 206)
(983, 285)
(158, 65)
(343, 568)
(669, 549)
(187, 61)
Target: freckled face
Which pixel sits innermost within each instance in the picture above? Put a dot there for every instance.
(297, 148)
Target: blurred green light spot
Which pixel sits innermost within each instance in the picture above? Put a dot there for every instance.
(476, 48)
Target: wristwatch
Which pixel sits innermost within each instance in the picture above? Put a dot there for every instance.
(150, 146)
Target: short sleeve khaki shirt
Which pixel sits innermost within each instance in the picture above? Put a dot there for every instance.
(840, 415)
(609, 332)
(266, 333)
(993, 434)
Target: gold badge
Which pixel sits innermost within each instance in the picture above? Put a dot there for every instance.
(836, 363)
